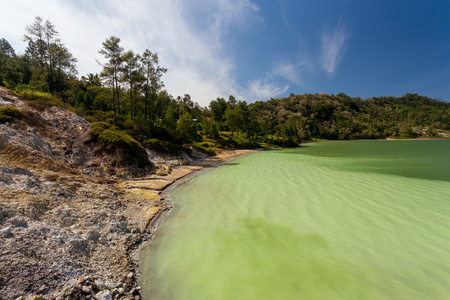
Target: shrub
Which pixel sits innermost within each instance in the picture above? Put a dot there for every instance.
(98, 128)
(205, 147)
(40, 100)
(163, 146)
(112, 138)
(9, 113)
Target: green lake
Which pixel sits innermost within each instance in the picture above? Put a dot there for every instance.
(332, 220)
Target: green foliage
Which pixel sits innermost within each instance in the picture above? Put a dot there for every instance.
(113, 138)
(320, 116)
(186, 127)
(39, 100)
(98, 128)
(163, 146)
(205, 147)
(9, 113)
(129, 93)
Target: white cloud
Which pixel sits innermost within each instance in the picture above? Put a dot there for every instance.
(263, 89)
(333, 48)
(288, 71)
(196, 58)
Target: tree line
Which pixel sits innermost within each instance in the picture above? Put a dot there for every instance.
(129, 93)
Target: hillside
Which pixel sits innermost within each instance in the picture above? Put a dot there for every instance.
(69, 223)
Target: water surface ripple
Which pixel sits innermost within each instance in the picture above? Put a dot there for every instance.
(334, 220)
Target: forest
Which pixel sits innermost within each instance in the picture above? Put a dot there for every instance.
(129, 94)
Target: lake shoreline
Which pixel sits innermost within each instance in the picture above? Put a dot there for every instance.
(182, 175)
(265, 210)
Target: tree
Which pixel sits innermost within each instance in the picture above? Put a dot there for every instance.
(232, 101)
(9, 64)
(63, 69)
(91, 80)
(40, 37)
(243, 115)
(6, 48)
(218, 108)
(186, 127)
(112, 51)
(52, 62)
(131, 74)
(153, 84)
(232, 119)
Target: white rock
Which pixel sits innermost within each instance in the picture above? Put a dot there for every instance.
(111, 285)
(100, 284)
(5, 231)
(103, 295)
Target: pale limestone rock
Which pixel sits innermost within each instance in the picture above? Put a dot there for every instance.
(103, 295)
(5, 232)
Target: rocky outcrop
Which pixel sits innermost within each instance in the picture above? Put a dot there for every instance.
(65, 225)
(54, 232)
(68, 225)
(58, 140)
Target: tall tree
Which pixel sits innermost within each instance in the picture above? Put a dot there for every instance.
(63, 68)
(9, 64)
(112, 51)
(130, 74)
(53, 62)
(152, 73)
(41, 37)
(218, 108)
(6, 48)
(91, 80)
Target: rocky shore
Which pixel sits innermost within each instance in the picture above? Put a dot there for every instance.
(70, 221)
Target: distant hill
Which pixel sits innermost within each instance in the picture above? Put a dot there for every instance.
(322, 116)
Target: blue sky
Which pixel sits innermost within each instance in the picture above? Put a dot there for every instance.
(256, 50)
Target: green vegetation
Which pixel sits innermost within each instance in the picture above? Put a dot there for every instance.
(129, 94)
(340, 117)
(163, 146)
(38, 99)
(9, 113)
(113, 138)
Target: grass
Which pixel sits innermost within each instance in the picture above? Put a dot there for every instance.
(40, 100)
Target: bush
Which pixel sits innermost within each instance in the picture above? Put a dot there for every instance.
(98, 128)
(98, 116)
(204, 147)
(163, 146)
(112, 138)
(40, 100)
(9, 113)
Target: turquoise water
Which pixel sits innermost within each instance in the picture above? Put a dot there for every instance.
(334, 220)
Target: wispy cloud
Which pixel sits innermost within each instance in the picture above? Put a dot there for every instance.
(289, 72)
(296, 70)
(197, 59)
(224, 14)
(263, 89)
(333, 48)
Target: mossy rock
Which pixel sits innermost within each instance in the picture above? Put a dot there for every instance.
(9, 113)
(205, 147)
(98, 128)
(115, 137)
(112, 138)
(163, 146)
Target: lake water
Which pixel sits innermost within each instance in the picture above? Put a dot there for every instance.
(333, 220)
